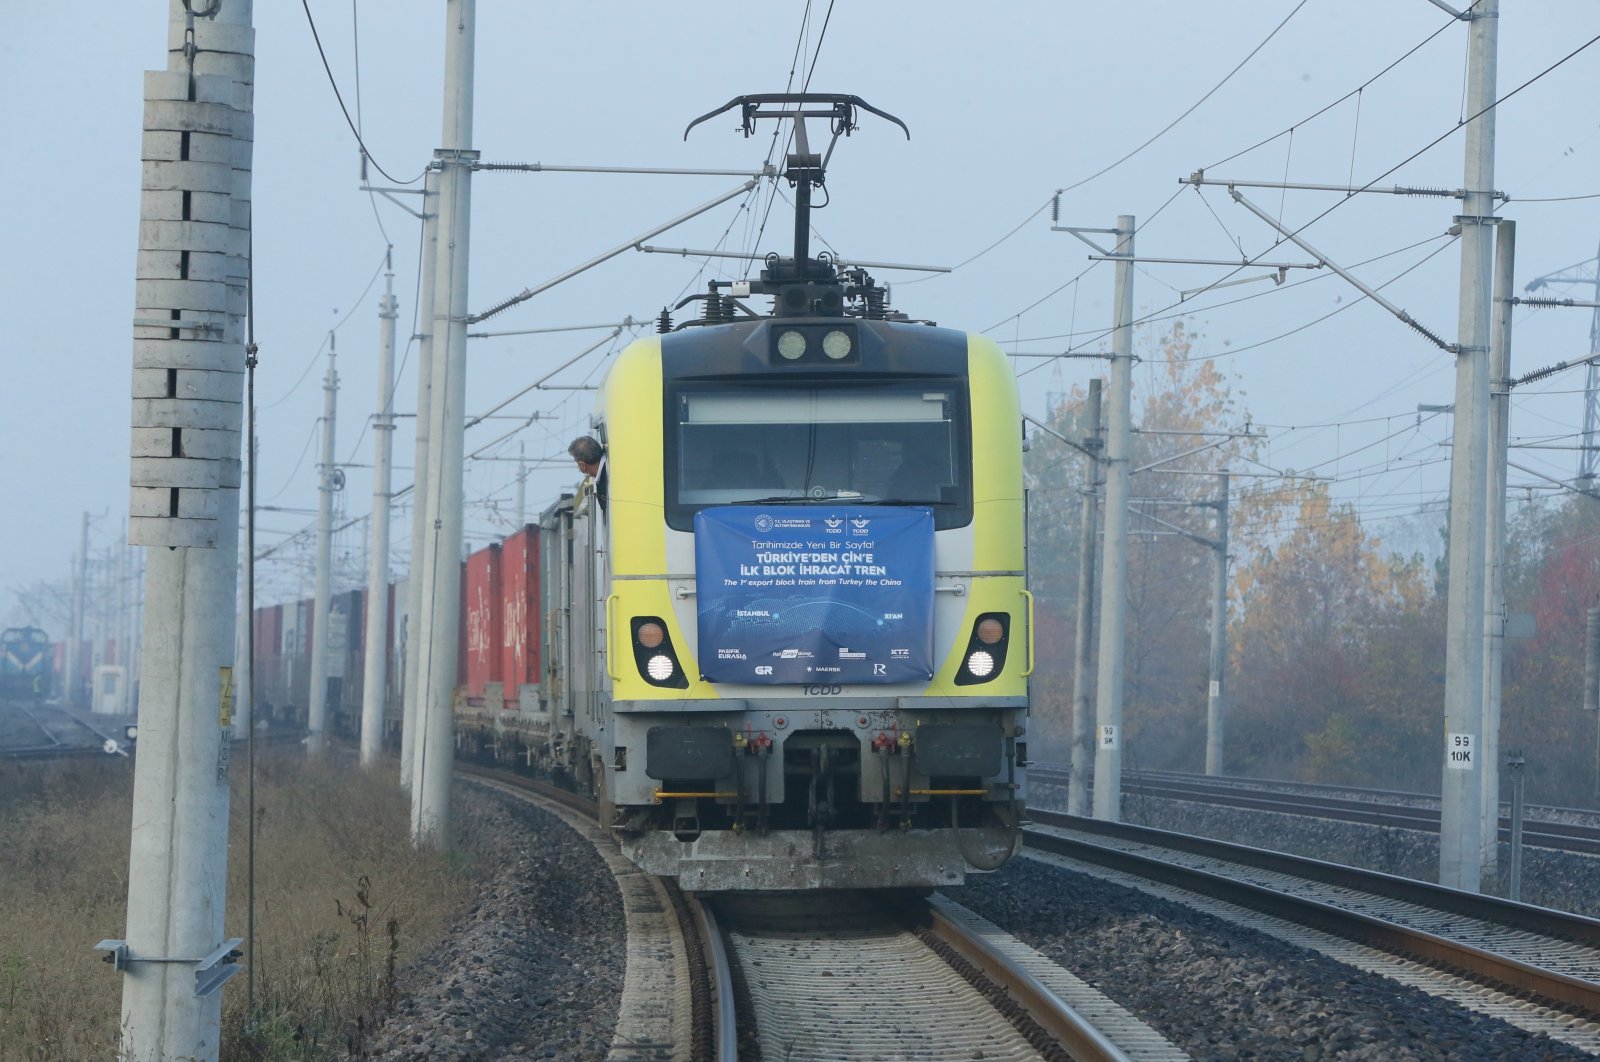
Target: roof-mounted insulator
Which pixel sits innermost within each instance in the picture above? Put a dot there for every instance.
(664, 321)
(1055, 209)
(877, 302)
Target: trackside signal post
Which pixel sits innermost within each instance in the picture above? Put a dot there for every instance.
(188, 390)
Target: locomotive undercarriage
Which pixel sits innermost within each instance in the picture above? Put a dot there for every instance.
(775, 795)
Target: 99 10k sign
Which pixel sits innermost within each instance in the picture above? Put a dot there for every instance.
(808, 595)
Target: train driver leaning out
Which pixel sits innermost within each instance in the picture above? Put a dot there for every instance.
(591, 458)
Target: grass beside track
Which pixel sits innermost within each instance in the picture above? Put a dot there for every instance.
(342, 902)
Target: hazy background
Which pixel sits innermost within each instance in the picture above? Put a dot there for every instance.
(1006, 102)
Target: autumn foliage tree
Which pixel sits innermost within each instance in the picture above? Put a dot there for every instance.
(1333, 646)
(1181, 404)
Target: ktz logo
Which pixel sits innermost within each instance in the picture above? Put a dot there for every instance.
(833, 522)
(763, 523)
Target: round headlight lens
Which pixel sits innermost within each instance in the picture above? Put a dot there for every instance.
(659, 667)
(651, 635)
(836, 344)
(792, 344)
(990, 631)
(980, 664)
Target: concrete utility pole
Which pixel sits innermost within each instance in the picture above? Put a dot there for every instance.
(188, 389)
(80, 579)
(1216, 702)
(1083, 646)
(1114, 569)
(522, 485)
(119, 629)
(375, 681)
(328, 471)
(1461, 804)
(436, 680)
(1494, 608)
(417, 598)
(1591, 682)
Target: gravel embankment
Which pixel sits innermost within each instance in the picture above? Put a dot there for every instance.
(535, 968)
(1222, 992)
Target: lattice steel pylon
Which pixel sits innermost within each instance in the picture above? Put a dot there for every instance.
(1587, 273)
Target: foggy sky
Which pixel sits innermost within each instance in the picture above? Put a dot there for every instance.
(1006, 103)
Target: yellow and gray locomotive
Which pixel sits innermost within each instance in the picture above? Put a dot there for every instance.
(788, 620)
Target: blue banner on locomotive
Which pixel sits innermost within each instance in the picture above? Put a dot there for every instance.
(805, 592)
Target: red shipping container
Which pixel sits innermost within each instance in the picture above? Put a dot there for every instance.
(481, 608)
(521, 624)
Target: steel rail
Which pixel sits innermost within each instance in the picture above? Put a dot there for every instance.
(711, 987)
(1547, 833)
(1071, 1030)
(1511, 974)
(720, 973)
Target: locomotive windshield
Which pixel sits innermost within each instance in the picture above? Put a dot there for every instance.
(899, 443)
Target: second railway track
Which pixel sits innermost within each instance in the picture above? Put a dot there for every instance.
(1548, 958)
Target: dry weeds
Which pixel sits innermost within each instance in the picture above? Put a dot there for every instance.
(342, 901)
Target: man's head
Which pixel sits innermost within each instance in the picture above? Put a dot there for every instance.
(586, 450)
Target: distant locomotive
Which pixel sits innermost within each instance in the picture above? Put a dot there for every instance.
(25, 662)
(784, 636)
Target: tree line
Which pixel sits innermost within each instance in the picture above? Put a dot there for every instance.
(1336, 642)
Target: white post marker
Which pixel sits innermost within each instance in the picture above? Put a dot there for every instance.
(1460, 752)
(1109, 739)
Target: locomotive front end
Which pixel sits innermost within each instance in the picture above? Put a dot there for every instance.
(817, 630)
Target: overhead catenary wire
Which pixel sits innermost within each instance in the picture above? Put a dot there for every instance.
(334, 84)
(1408, 159)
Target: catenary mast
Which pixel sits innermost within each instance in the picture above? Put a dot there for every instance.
(436, 680)
(375, 680)
(1460, 804)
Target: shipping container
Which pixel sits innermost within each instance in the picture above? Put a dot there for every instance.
(520, 616)
(482, 608)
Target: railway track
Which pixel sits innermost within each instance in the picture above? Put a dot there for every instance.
(1536, 967)
(47, 732)
(1410, 811)
(841, 976)
(875, 975)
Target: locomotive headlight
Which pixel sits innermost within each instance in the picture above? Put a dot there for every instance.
(659, 667)
(836, 344)
(980, 663)
(990, 631)
(791, 344)
(650, 635)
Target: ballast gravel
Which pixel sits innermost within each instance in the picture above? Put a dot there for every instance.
(535, 968)
(1223, 992)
